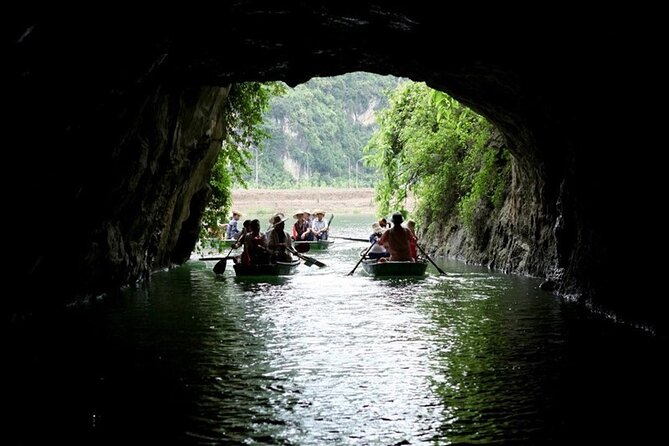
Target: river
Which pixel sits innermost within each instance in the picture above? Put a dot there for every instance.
(323, 358)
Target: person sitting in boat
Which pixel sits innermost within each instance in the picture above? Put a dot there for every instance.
(246, 229)
(376, 251)
(413, 241)
(301, 229)
(397, 240)
(233, 232)
(278, 240)
(320, 226)
(308, 217)
(255, 246)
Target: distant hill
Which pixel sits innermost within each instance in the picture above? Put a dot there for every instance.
(317, 132)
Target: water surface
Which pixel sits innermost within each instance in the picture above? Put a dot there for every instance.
(324, 358)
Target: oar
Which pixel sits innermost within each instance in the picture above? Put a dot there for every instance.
(353, 239)
(217, 258)
(307, 260)
(441, 271)
(219, 268)
(361, 258)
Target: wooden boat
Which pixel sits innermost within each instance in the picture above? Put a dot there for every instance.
(271, 269)
(393, 268)
(318, 245)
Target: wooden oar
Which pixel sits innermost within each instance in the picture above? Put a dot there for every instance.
(441, 271)
(307, 260)
(219, 268)
(361, 258)
(353, 239)
(216, 258)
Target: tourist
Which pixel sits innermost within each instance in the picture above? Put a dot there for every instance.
(397, 240)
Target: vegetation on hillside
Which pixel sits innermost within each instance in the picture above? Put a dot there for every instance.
(431, 145)
(283, 137)
(318, 130)
(245, 108)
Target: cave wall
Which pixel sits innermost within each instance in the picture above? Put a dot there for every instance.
(115, 160)
(135, 205)
(114, 123)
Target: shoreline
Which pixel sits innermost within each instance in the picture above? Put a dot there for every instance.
(329, 199)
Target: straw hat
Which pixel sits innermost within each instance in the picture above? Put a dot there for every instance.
(319, 211)
(236, 213)
(298, 214)
(277, 218)
(306, 211)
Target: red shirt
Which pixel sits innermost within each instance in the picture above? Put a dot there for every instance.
(396, 241)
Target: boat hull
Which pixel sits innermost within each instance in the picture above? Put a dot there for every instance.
(394, 269)
(273, 269)
(318, 245)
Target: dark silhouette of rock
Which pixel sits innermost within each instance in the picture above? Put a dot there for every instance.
(547, 285)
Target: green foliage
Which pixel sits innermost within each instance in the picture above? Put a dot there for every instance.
(431, 145)
(317, 132)
(244, 111)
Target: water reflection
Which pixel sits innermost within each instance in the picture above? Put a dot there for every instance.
(321, 357)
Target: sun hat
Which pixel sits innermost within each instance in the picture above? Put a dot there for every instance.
(376, 227)
(297, 214)
(319, 211)
(236, 213)
(277, 218)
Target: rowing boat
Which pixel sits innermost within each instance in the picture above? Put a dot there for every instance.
(271, 269)
(394, 268)
(316, 245)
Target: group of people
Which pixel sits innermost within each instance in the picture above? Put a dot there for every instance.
(393, 241)
(390, 240)
(310, 227)
(275, 244)
(262, 248)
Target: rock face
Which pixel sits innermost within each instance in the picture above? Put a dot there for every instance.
(113, 127)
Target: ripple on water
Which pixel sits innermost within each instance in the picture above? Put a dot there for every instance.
(322, 357)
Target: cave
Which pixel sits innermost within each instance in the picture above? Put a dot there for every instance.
(115, 122)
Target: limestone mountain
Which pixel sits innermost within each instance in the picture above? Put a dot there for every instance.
(318, 130)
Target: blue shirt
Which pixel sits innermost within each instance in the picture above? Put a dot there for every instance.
(232, 232)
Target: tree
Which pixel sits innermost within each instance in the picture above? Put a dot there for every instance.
(430, 144)
(244, 111)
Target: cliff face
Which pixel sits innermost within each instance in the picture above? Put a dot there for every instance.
(114, 125)
(114, 206)
(516, 238)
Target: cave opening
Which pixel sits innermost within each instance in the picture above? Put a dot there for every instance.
(117, 127)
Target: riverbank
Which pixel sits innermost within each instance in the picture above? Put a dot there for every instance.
(330, 200)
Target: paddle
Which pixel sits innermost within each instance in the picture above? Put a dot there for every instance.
(441, 271)
(219, 268)
(361, 258)
(307, 260)
(353, 239)
(216, 258)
